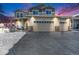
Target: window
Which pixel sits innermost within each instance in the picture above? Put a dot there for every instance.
(62, 22)
(21, 15)
(43, 21)
(17, 14)
(48, 12)
(35, 12)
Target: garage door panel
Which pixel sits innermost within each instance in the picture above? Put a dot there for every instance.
(43, 27)
(62, 27)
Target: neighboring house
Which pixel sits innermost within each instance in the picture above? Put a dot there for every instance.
(6, 23)
(42, 18)
(75, 22)
(6, 20)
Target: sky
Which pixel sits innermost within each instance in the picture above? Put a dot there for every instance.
(66, 9)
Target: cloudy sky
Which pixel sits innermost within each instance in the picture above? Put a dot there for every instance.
(60, 8)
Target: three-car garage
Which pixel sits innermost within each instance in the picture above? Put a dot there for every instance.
(50, 24)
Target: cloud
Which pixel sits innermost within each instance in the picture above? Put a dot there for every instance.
(68, 8)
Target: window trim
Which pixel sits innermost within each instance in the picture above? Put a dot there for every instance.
(17, 15)
(48, 10)
(21, 14)
(35, 10)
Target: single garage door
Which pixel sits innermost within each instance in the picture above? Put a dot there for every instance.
(62, 26)
(43, 26)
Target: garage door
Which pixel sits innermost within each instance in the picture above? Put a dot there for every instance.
(62, 26)
(43, 26)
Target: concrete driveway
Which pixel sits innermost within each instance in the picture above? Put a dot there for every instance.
(47, 43)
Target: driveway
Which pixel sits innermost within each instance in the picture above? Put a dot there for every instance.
(47, 43)
(8, 40)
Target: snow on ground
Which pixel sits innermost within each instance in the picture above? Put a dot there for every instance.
(7, 40)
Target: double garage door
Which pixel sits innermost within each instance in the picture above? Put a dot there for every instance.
(43, 26)
(48, 26)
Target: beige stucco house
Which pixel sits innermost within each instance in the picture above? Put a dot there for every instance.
(42, 18)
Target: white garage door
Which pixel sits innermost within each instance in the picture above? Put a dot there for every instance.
(62, 26)
(43, 26)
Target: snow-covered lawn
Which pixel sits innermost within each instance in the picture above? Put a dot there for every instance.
(7, 40)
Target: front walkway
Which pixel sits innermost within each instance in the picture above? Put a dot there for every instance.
(45, 43)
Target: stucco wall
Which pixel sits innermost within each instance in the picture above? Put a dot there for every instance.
(49, 26)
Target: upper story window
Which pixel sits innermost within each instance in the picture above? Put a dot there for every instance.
(21, 14)
(17, 15)
(49, 12)
(35, 12)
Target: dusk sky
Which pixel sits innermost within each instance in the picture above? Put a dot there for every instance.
(60, 8)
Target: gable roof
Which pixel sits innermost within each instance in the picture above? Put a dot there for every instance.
(42, 7)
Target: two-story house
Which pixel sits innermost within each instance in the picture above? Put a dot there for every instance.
(42, 18)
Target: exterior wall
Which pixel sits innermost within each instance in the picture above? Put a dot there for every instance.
(43, 13)
(42, 26)
(57, 25)
(67, 25)
(18, 23)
